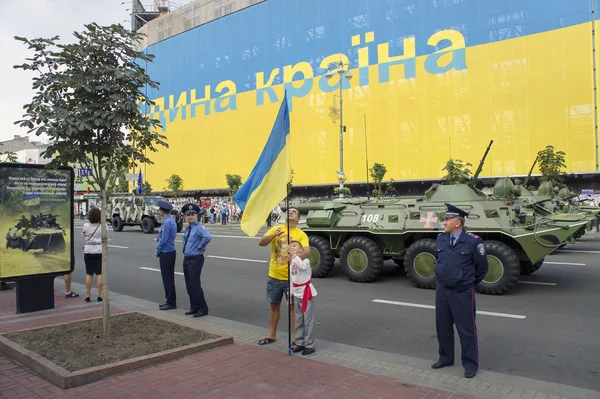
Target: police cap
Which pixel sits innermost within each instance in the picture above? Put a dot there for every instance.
(190, 208)
(165, 206)
(452, 212)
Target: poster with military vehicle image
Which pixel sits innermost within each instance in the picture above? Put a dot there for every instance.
(36, 221)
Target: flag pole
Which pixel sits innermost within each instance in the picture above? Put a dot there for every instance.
(287, 205)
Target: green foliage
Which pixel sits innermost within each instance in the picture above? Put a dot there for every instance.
(377, 173)
(234, 182)
(123, 184)
(10, 157)
(342, 191)
(389, 188)
(174, 184)
(87, 99)
(147, 189)
(457, 172)
(551, 164)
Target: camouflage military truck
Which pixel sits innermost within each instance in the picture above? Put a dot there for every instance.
(138, 210)
(363, 233)
(35, 233)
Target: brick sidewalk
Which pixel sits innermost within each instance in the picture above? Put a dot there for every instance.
(231, 372)
(236, 371)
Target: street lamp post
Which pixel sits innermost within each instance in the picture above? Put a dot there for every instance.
(340, 69)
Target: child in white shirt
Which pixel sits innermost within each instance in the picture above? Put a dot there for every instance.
(303, 292)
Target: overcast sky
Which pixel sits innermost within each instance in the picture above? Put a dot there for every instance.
(43, 18)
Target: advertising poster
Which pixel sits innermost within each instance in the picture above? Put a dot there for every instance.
(36, 222)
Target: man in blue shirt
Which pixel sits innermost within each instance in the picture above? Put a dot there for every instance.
(461, 264)
(195, 240)
(165, 251)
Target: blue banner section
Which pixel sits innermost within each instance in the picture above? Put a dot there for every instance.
(285, 32)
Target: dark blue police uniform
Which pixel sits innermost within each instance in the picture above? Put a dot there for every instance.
(166, 253)
(461, 264)
(195, 240)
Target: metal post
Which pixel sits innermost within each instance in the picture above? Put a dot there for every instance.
(341, 142)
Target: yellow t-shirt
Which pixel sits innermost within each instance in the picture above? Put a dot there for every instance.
(278, 267)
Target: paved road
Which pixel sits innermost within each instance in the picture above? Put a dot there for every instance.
(546, 331)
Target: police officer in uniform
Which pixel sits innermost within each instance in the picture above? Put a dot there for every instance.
(165, 251)
(195, 240)
(461, 264)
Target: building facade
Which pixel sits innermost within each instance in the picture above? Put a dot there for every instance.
(432, 79)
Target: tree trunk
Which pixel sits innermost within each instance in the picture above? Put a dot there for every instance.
(105, 298)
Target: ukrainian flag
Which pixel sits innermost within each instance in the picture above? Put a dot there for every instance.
(267, 184)
(31, 199)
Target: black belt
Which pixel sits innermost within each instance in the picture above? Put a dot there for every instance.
(193, 256)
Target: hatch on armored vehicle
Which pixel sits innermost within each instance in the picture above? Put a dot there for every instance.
(138, 210)
(364, 233)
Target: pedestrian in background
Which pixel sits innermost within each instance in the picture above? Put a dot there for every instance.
(195, 240)
(166, 253)
(461, 264)
(92, 253)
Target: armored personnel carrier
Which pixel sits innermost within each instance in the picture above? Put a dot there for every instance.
(363, 233)
(37, 232)
(138, 210)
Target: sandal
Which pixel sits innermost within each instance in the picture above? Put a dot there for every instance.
(266, 341)
(297, 348)
(71, 295)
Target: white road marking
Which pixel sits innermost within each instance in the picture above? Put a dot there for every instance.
(577, 251)
(481, 312)
(158, 270)
(118, 246)
(564, 263)
(535, 282)
(240, 259)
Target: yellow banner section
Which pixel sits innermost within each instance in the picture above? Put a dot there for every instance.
(523, 93)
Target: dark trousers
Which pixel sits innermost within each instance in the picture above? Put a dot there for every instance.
(455, 307)
(192, 268)
(167, 269)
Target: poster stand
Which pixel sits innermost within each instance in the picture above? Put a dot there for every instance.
(34, 294)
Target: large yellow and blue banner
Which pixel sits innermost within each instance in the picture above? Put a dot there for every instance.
(434, 79)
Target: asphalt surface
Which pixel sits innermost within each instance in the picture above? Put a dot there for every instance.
(548, 331)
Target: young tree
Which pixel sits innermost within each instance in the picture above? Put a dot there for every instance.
(377, 173)
(234, 182)
(551, 164)
(457, 172)
(147, 188)
(174, 184)
(87, 101)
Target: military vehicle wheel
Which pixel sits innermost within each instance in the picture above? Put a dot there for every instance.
(419, 263)
(321, 256)
(180, 226)
(148, 225)
(504, 269)
(117, 223)
(527, 268)
(361, 259)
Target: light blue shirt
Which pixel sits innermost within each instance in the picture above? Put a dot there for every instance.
(456, 237)
(166, 235)
(195, 237)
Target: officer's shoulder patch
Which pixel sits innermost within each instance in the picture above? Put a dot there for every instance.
(474, 235)
(441, 234)
(202, 227)
(481, 249)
